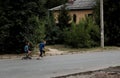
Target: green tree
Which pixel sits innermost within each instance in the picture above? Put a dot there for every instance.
(63, 18)
(83, 35)
(52, 31)
(15, 20)
(63, 22)
(111, 21)
(93, 30)
(36, 31)
(53, 3)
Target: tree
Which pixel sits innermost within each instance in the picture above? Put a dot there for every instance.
(111, 24)
(16, 21)
(53, 3)
(84, 35)
(23, 20)
(63, 18)
(36, 31)
(63, 22)
(52, 31)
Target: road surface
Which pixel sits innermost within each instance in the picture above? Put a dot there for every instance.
(52, 66)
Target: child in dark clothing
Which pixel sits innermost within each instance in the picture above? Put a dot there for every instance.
(41, 49)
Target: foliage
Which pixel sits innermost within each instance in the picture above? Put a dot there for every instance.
(63, 23)
(23, 20)
(96, 12)
(112, 18)
(111, 21)
(36, 31)
(93, 30)
(63, 18)
(16, 20)
(53, 3)
(85, 34)
(52, 31)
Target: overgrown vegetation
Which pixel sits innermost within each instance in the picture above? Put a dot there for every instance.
(21, 21)
(52, 31)
(27, 20)
(85, 34)
(111, 21)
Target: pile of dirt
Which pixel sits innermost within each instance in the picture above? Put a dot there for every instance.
(111, 72)
(55, 52)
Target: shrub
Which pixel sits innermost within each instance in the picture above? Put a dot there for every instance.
(84, 35)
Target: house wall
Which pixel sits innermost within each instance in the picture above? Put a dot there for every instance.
(79, 15)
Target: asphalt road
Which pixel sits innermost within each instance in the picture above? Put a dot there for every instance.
(51, 66)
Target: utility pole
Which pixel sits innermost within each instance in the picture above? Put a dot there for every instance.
(102, 23)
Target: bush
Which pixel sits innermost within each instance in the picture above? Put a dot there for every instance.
(36, 31)
(84, 35)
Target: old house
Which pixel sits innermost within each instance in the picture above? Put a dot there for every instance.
(78, 9)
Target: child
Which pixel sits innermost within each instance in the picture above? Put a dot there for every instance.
(27, 51)
(41, 49)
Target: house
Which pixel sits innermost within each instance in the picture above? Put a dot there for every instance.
(78, 9)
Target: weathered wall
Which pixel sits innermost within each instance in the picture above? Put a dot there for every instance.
(79, 14)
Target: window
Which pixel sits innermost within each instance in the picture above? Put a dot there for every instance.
(74, 18)
(90, 15)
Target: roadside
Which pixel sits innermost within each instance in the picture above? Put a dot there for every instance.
(53, 50)
(111, 72)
